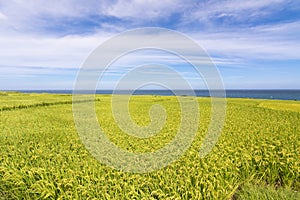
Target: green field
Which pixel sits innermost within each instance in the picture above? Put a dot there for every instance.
(42, 157)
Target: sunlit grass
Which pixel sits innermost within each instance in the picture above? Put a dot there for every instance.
(254, 192)
(280, 105)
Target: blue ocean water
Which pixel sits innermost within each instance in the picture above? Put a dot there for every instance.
(254, 94)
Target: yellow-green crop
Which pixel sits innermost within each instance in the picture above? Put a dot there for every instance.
(42, 156)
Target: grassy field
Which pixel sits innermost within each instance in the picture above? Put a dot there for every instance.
(42, 157)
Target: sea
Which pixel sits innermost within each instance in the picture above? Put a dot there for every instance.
(253, 94)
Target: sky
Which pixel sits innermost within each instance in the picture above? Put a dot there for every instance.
(253, 44)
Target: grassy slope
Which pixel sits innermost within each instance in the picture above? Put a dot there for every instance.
(42, 156)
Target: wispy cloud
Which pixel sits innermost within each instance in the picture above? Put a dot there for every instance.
(239, 35)
(2, 16)
(277, 42)
(69, 51)
(144, 10)
(214, 14)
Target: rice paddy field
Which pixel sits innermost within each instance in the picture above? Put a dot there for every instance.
(42, 156)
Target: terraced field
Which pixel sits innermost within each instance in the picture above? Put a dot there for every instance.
(42, 157)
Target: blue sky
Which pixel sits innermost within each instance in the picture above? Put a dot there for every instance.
(254, 44)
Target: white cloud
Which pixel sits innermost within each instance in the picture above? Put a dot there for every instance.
(236, 5)
(234, 47)
(147, 9)
(56, 8)
(68, 52)
(31, 16)
(207, 11)
(278, 42)
(22, 43)
(2, 16)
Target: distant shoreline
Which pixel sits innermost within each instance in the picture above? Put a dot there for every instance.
(280, 94)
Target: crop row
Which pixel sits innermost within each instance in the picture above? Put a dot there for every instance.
(43, 104)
